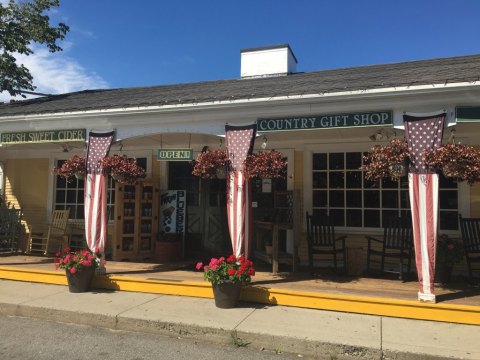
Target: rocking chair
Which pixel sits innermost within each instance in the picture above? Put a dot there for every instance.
(54, 239)
(396, 243)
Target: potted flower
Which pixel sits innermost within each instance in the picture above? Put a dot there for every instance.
(456, 161)
(75, 166)
(265, 164)
(449, 252)
(123, 169)
(386, 161)
(79, 267)
(210, 164)
(227, 276)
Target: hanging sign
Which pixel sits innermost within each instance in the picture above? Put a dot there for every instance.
(175, 154)
(326, 121)
(173, 209)
(34, 137)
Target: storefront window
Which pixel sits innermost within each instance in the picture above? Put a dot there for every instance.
(341, 190)
(70, 195)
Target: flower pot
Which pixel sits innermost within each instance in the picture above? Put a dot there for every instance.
(221, 172)
(81, 280)
(226, 294)
(397, 170)
(444, 273)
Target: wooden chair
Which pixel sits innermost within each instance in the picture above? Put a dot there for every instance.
(54, 239)
(397, 243)
(322, 241)
(470, 228)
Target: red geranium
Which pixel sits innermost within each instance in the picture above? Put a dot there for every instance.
(236, 270)
(74, 260)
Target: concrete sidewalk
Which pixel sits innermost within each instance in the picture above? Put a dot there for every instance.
(302, 331)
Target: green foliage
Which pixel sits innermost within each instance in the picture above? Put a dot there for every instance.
(22, 24)
(237, 341)
(449, 251)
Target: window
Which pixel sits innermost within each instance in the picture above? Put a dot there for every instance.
(69, 195)
(340, 189)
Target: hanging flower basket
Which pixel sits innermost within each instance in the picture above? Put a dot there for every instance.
(208, 162)
(213, 164)
(123, 169)
(73, 167)
(386, 161)
(457, 162)
(265, 164)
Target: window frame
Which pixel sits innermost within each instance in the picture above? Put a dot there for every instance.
(463, 188)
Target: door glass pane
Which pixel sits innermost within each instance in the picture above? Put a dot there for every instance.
(336, 161)
(354, 179)
(354, 160)
(372, 218)
(337, 199)
(320, 198)
(336, 179)
(320, 180)
(319, 162)
(372, 199)
(354, 198)
(354, 218)
(448, 199)
(390, 199)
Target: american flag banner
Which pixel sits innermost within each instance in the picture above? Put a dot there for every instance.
(239, 142)
(424, 133)
(95, 202)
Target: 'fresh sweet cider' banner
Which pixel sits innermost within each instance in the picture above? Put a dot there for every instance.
(326, 121)
(34, 137)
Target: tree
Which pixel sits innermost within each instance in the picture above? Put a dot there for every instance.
(21, 24)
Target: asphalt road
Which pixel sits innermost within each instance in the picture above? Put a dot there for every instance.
(25, 339)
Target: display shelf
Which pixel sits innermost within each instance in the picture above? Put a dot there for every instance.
(136, 224)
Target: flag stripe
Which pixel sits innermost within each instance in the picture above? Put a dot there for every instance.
(95, 201)
(239, 140)
(424, 133)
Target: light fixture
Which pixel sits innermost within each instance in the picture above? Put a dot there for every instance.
(264, 143)
(382, 134)
(451, 138)
(66, 148)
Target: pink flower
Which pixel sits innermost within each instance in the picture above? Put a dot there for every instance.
(199, 265)
(73, 270)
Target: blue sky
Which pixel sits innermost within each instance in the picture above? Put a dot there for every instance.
(116, 43)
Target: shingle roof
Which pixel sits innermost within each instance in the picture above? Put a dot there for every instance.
(423, 72)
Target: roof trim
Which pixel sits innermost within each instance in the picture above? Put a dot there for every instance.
(214, 104)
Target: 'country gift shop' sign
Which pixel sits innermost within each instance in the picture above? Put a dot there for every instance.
(326, 121)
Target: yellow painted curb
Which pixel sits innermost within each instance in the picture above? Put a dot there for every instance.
(461, 314)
